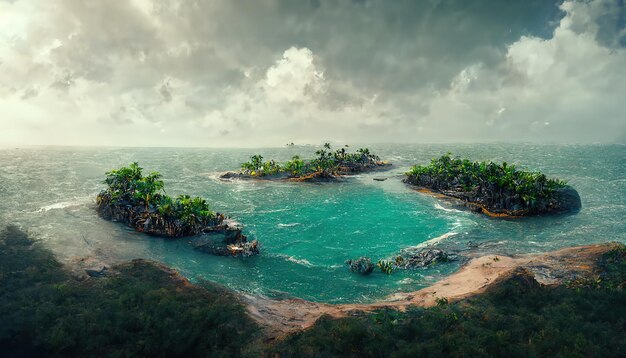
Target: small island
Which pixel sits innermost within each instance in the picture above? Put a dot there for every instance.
(498, 190)
(328, 165)
(141, 203)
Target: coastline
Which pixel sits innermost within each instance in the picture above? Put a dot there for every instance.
(144, 294)
(467, 205)
(281, 317)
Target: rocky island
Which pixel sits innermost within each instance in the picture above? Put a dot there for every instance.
(498, 190)
(328, 165)
(140, 202)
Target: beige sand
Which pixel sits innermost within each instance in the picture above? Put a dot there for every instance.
(285, 316)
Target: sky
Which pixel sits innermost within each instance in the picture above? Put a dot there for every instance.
(234, 73)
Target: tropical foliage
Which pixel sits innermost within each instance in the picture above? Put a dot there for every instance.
(143, 309)
(516, 317)
(326, 163)
(140, 309)
(127, 187)
(385, 266)
(500, 186)
(256, 167)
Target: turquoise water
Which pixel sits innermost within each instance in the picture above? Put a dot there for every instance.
(307, 230)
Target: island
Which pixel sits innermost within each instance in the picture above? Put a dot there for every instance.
(140, 202)
(328, 165)
(498, 190)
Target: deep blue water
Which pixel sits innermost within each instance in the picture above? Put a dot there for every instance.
(307, 230)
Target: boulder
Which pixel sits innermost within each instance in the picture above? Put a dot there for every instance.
(230, 175)
(216, 244)
(568, 200)
(362, 265)
(411, 258)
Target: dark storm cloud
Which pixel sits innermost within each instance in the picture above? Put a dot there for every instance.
(408, 45)
(268, 69)
(384, 45)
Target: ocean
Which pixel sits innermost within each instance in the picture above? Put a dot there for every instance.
(308, 231)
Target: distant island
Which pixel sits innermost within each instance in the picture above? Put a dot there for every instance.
(141, 203)
(328, 165)
(498, 190)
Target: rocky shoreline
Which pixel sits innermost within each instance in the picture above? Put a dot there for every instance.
(140, 202)
(219, 235)
(280, 317)
(562, 266)
(497, 190)
(460, 201)
(312, 177)
(327, 166)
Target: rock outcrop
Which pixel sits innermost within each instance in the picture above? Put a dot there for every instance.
(362, 265)
(231, 239)
(412, 258)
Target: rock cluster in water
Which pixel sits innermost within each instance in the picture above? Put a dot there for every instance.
(418, 258)
(409, 258)
(362, 265)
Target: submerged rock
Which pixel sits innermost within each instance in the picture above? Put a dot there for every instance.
(217, 245)
(231, 175)
(362, 265)
(419, 258)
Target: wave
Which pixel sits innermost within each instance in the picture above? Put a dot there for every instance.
(303, 262)
(271, 211)
(438, 206)
(60, 205)
(215, 176)
(435, 240)
(288, 225)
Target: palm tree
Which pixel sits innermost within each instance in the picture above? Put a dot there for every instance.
(149, 187)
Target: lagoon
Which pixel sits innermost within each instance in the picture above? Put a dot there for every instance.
(308, 230)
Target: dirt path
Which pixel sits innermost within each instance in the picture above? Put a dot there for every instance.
(285, 316)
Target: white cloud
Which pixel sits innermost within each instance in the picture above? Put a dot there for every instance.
(294, 78)
(84, 72)
(570, 83)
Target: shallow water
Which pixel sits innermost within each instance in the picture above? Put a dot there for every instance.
(307, 230)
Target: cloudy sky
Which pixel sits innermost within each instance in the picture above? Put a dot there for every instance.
(267, 72)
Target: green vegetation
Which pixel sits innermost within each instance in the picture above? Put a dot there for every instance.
(385, 266)
(127, 185)
(326, 163)
(496, 186)
(142, 309)
(612, 273)
(516, 317)
(256, 167)
(142, 202)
